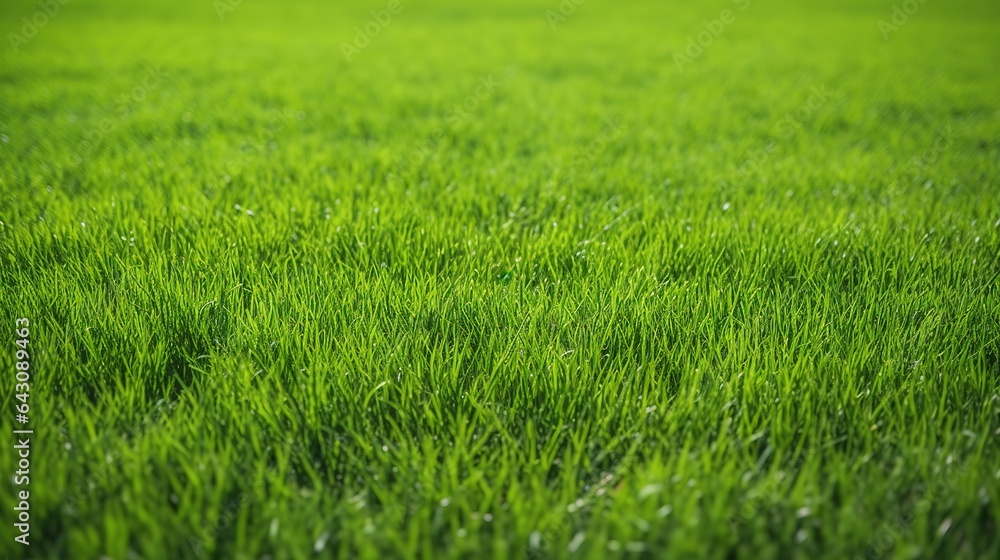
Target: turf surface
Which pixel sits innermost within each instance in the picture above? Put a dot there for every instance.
(642, 279)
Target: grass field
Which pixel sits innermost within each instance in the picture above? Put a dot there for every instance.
(512, 279)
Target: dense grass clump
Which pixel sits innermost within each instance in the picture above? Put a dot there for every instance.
(511, 280)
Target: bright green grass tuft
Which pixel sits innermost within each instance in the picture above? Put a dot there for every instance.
(285, 305)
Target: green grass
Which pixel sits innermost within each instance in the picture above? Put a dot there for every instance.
(619, 308)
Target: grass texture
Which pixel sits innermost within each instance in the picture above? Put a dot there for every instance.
(512, 279)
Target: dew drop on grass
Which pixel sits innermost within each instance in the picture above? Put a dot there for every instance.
(574, 544)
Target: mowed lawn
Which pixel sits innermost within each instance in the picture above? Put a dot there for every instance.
(512, 278)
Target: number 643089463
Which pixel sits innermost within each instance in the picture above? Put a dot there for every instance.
(22, 364)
